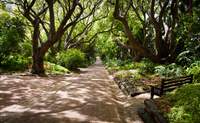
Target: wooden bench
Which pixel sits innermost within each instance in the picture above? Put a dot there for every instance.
(169, 85)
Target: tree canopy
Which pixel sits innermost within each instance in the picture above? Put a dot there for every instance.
(125, 29)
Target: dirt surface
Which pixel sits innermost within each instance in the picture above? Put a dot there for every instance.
(88, 97)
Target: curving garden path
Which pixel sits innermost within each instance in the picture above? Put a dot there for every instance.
(88, 97)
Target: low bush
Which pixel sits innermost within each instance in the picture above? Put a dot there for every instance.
(71, 59)
(55, 69)
(169, 71)
(114, 65)
(12, 36)
(12, 33)
(185, 104)
(146, 66)
(194, 69)
(15, 62)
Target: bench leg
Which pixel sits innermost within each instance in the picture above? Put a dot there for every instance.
(152, 92)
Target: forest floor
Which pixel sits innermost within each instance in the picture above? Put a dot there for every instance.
(86, 97)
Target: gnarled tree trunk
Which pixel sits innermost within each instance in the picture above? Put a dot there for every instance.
(164, 41)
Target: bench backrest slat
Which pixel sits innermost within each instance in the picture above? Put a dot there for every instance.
(180, 81)
(177, 84)
(176, 80)
(171, 84)
(182, 77)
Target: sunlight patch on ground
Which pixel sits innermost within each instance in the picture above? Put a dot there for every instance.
(39, 110)
(17, 80)
(81, 100)
(40, 104)
(15, 108)
(71, 114)
(100, 122)
(5, 92)
(21, 109)
(34, 80)
(3, 78)
(99, 79)
(63, 94)
(66, 95)
(14, 80)
(145, 96)
(72, 78)
(83, 91)
(102, 92)
(137, 121)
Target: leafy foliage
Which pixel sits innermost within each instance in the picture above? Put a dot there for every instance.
(147, 66)
(185, 58)
(107, 49)
(194, 69)
(12, 34)
(55, 69)
(15, 62)
(143, 67)
(188, 47)
(185, 104)
(169, 71)
(71, 59)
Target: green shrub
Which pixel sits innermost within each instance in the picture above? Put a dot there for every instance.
(114, 65)
(15, 62)
(52, 58)
(55, 69)
(185, 103)
(194, 69)
(146, 66)
(128, 66)
(12, 33)
(111, 63)
(169, 71)
(71, 59)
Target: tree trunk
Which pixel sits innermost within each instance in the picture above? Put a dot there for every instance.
(37, 55)
(38, 63)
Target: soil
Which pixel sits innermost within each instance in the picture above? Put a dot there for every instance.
(90, 96)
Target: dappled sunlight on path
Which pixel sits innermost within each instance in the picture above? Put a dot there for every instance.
(88, 97)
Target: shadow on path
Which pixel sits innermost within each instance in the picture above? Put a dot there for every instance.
(88, 97)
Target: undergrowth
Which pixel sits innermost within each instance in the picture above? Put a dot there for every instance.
(55, 69)
(185, 104)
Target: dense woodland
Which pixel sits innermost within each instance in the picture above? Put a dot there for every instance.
(158, 38)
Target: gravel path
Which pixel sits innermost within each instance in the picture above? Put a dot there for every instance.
(88, 97)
